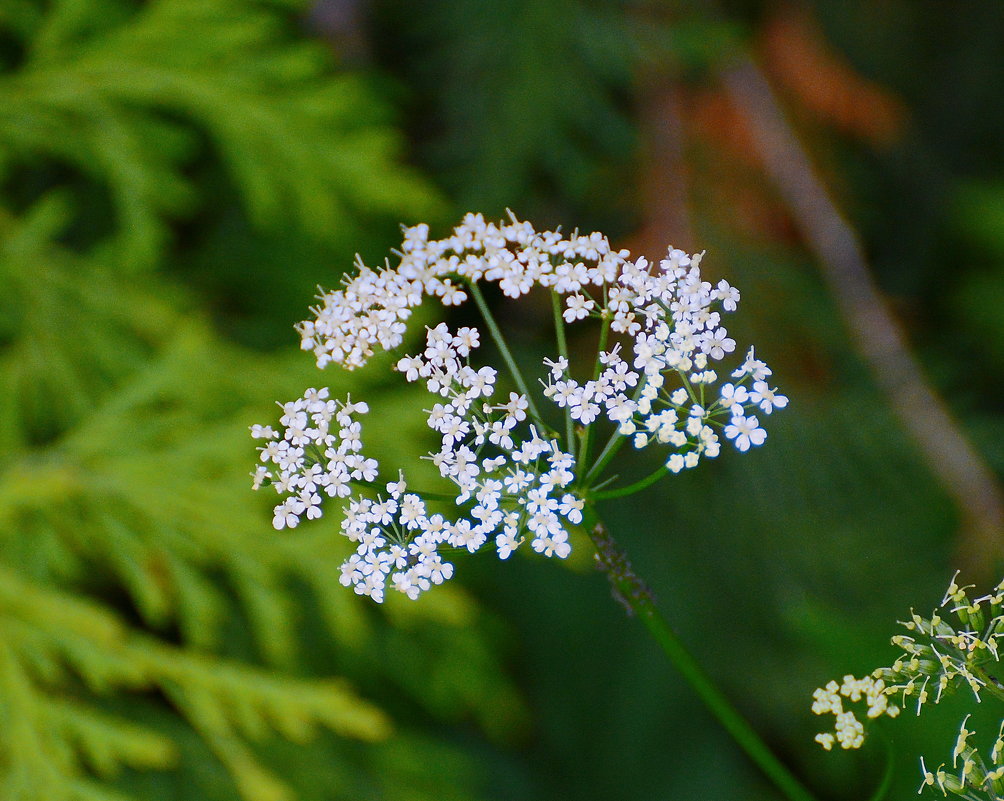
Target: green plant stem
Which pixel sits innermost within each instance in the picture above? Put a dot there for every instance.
(559, 330)
(609, 451)
(613, 445)
(630, 489)
(988, 683)
(584, 447)
(500, 343)
(632, 591)
(887, 772)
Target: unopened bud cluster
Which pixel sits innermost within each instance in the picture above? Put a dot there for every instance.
(957, 647)
(848, 731)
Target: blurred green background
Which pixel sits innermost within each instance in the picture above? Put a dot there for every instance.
(177, 177)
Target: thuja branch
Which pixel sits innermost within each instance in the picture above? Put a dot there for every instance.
(634, 594)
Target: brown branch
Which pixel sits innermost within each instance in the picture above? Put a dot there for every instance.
(664, 179)
(951, 458)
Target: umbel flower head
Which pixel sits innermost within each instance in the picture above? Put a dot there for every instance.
(654, 382)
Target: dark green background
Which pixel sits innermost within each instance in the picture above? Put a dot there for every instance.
(782, 568)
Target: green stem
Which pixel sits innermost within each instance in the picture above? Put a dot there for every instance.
(500, 343)
(988, 683)
(604, 333)
(609, 451)
(613, 445)
(559, 328)
(630, 489)
(887, 773)
(427, 496)
(635, 594)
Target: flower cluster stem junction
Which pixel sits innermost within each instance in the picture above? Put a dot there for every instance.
(632, 591)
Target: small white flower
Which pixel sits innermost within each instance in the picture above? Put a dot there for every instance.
(675, 463)
(571, 507)
(719, 343)
(825, 739)
(766, 398)
(753, 367)
(507, 542)
(516, 407)
(410, 366)
(311, 504)
(439, 571)
(576, 308)
(679, 397)
(467, 340)
(731, 396)
(259, 476)
(287, 514)
(745, 431)
(557, 367)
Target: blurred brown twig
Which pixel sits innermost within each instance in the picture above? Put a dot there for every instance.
(956, 464)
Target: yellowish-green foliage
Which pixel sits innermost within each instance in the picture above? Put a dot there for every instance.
(135, 483)
(129, 94)
(131, 548)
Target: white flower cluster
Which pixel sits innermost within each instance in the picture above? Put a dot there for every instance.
(397, 538)
(510, 473)
(849, 731)
(517, 488)
(668, 314)
(319, 450)
(370, 311)
(673, 320)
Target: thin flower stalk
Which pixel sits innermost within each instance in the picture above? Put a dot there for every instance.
(634, 594)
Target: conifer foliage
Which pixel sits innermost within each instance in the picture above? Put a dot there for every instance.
(127, 95)
(128, 552)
